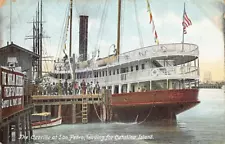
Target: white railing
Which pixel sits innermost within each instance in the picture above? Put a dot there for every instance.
(159, 51)
(162, 50)
(154, 74)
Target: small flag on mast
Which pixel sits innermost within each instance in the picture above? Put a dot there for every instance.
(186, 21)
(152, 22)
(149, 10)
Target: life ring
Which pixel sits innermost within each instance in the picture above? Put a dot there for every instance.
(155, 72)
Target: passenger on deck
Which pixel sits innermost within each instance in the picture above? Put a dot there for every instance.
(88, 88)
(65, 87)
(76, 87)
(97, 88)
(54, 89)
(83, 86)
(70, 90)
(139, 89)
(92, 88)
(60, 87)
(49, 89)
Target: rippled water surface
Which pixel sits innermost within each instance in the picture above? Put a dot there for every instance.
(202, 124)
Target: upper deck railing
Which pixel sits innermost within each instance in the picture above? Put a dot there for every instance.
(156, 51)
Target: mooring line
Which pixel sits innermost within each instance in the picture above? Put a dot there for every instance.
(97, 113)
(148, 112)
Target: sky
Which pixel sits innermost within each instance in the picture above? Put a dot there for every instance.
(206, 30)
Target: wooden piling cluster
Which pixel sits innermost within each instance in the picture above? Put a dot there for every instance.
(76, 108)
(20, 124)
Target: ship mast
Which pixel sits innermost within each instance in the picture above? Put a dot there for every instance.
(71, 18)
(41, 35)
(118, 28)
(10, 39)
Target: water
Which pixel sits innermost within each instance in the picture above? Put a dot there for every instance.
(203, 124)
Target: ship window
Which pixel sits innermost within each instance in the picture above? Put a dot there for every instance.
(136, 67)
(69, 76)
(118, 71)
(127, 69)
(131, 68)
(143, 66)
(79, 76)
(114, 72)
(103, 73)
(109, 72)
(122, 70)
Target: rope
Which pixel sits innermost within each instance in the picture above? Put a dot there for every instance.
(97, 113)
(138, 25)
(148, 113)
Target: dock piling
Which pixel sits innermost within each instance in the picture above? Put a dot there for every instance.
(17, 130)
(6, 134)
(74, 118)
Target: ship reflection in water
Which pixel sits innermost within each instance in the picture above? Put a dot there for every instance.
(205, 123)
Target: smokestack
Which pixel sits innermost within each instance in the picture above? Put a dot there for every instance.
(83, 38)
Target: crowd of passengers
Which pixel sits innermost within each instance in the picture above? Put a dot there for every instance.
(68, 88)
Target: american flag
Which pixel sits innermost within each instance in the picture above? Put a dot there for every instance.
(186, 22)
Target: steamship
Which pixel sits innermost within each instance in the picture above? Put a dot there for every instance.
(148, 83)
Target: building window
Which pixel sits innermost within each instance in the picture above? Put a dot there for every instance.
(136, 67)
(131, 68)
(143, 66)
(103, 73)
(109, 72)
(99, 74)
(118, 72)
(114, 72)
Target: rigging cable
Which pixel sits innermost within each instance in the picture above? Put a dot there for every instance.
(138, 25)
(101, 29)
(62, 33)
(19, 14)
(63, 46)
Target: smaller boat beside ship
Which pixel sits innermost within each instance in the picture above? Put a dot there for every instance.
(44, 120)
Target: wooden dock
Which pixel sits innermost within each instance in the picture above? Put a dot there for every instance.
(66, 99)
(74, 108)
